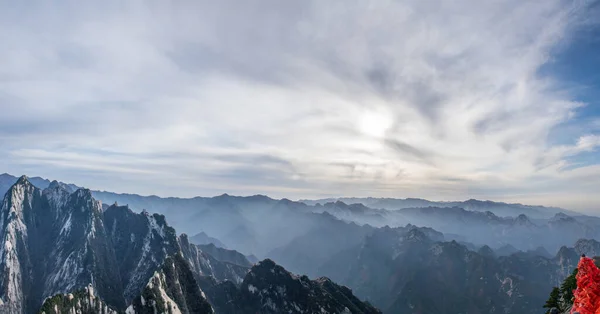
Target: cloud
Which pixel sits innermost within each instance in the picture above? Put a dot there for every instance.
(270, 97)
(407, 151)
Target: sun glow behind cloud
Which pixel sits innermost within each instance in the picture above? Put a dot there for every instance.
(375, 123)
(428, 99)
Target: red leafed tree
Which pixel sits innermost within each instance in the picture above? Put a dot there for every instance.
(587, 294)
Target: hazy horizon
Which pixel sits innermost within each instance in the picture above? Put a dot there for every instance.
(276, 197)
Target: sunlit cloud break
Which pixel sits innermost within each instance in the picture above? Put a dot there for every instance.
(433, 99)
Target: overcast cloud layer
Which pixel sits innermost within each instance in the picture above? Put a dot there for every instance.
(433, 99)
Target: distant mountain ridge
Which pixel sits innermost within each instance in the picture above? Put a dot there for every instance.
(159, 204)
(259, 225)
(499, 208)
(481, 228)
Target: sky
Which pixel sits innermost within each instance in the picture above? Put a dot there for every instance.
(444, 100)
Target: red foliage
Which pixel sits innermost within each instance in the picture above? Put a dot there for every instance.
(587, 294)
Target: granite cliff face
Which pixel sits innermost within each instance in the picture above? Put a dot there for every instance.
(53, 241)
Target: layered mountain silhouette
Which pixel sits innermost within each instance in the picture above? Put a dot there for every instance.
(405, 270)
(63, 250)
(499, 208)
(260, 225)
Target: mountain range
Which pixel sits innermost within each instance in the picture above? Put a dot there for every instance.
(498, 208)
(400, 260)
(258, 225)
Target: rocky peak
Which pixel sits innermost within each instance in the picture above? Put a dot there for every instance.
(490, 214)
(430, 233)
(57, 195)
(68, 187)
(416, 235)
(565, 251)
(14, 245)
(23, 180)
(454, 249)
(267, 265)
(141, 243)
(54, 185)
(84, 194)
(18, 215)
(260, 198)
(18, 199)
(286, 203)
(566, 259)
(589, 247)
(562, 219)
(337, 203)
(560, 216)
(82, 251)
(522, 220)
(90, 208)
(81, 301)
(53, 242)
(172, 289)
(486, 251)
(184, 240)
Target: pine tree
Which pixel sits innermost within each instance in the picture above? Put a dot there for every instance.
(567, 287)
(562, 298)
(554, 300)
